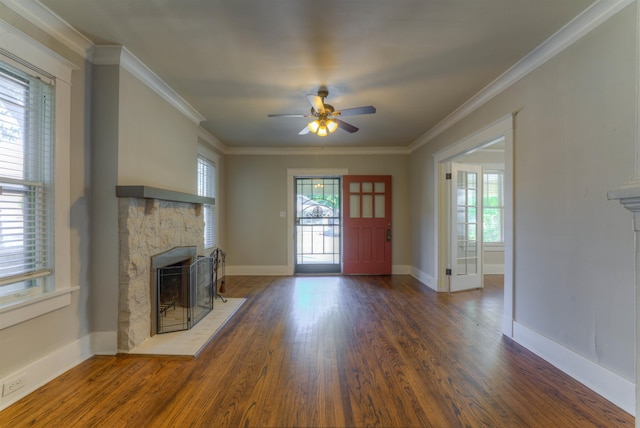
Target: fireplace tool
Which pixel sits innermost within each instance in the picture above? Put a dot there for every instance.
(218, 257)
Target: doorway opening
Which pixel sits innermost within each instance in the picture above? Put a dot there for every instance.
(317, 232)
(495, 137)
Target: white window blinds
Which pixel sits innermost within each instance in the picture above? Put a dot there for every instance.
(26, 147)
(207, 187)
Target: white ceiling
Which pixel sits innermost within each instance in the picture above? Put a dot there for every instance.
(236, 61)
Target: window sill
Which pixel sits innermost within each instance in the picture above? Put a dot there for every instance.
(18, 312)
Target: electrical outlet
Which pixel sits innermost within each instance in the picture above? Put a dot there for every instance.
(12, 385)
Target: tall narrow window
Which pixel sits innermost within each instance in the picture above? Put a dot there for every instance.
(493, 207)
(26, 216)
(207, 187)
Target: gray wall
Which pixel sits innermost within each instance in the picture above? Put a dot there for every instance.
(29, 341)
(139, 140)
(257, 193)
(574, 139)
(158, 145)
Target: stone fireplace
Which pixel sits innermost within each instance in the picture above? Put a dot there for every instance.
(150, 222)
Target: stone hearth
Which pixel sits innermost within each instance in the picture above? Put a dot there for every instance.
(148, 227)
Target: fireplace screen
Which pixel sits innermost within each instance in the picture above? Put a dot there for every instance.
(184, 294)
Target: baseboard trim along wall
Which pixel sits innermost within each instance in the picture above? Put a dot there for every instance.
(611, 386)
(424, 278)
(44, 370)
(285, 271)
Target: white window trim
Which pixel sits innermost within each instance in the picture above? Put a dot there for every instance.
(495, 246)
(215, 159)
(32, 52)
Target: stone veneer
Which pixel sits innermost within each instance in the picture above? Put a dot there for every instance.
(148, 227)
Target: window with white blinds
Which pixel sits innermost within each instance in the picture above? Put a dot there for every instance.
(207, 187)
(493, 207)
(26, 147)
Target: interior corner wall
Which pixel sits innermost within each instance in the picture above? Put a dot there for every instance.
(104, 205)
(574, 140)
(256, 189)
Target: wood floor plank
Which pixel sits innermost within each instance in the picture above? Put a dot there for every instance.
(331, 351)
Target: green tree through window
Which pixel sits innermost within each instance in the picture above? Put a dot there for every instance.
(493, 207)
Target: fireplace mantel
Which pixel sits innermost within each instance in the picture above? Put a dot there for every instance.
(146, 192)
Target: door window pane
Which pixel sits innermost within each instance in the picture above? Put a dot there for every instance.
(367, 206)
(379, 206)
(354, 206)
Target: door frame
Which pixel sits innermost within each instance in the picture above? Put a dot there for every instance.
(291, 174)
(502, 128)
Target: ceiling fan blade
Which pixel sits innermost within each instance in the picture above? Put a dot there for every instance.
(355, 111)
(304, 131)
(346, 126)
(289, 115)
(316, 103)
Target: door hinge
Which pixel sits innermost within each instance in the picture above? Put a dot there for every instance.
(447, 176)
(448, 272)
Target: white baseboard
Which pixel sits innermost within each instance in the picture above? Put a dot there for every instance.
(424, 278)
(611, 386)
(258, 270)
(48, 368)
(493, 269)
(285, 271)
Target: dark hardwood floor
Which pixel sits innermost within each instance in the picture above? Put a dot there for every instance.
(331, 351)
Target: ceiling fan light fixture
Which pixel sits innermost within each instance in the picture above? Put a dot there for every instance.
(325, 115)
(313, 126)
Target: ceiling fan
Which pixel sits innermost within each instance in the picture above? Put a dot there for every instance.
(326, 116)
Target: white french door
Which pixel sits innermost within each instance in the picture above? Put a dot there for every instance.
(465, 258)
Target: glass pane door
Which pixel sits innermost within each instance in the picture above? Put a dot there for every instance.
(317, 225)
(466, 227)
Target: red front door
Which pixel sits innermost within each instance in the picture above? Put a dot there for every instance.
(367, 225)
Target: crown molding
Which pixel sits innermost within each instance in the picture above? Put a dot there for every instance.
(60, 30)
(574, 30)
(284, 151)
(120, 55)
(43, 18)
(211, 140)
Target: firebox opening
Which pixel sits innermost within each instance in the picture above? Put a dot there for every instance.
(182, 290)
